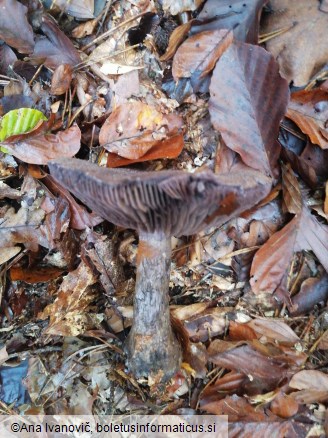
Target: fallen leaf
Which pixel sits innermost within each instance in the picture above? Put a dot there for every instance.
(241, 16)
(265, 429)
(197, 56)
(175, 7)
(170, 148)
(176, 38)
(291, 190)
(309, 110)
(248, 100)
(68, 313)
(284, 406)
(8, 253)
(8, 192)
(19, 121)
(7, 58)
(15, 30)
(302, 50)
(3, 355)
(135, 128)
(271, 261)
(274, 330)
(85, 29)
(55, 48)
(312, 292)
(61, 79)
(313, 386)
(41, 147)
(82, 9)
(34, 275)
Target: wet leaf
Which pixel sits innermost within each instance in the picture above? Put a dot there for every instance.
(309, 110)
(135, 128)
(15, 30)
(198, 55)
(19, 121)
(246, 113)
(68, 313)
(40, 148)
(302, 50)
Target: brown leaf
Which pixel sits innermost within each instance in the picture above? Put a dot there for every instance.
(248, 100)
(176, 38)
(199, 53)
(80, 218)
(241, 16)
(85, 29)
(7, 58)
(291, 190)
(309, 110)
(55, 48)
(34, 275)
(8, 192)
(40, 148)
(284, 406)
(271, 261)
(135, 128)
(313, 386)
(61, 79)
(277, 331)
(170, 148)
(82, 9)
(312, 292)
(68, 313)
(15, 30)
(302, 50)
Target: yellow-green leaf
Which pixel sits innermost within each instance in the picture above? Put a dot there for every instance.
(19, 121)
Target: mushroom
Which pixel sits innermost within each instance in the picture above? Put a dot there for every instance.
(158, 205)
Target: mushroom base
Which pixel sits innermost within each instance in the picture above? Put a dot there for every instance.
(151, 347)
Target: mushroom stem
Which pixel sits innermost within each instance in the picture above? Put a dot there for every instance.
(152, 348)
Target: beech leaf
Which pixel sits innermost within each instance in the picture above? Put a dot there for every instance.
(19, 121)
(15, 30)
(248, 100)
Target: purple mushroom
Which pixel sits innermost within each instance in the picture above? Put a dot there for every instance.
(158, 205)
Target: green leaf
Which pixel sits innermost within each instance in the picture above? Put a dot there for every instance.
(19, 121)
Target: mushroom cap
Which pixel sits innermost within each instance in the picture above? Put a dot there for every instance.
(170, 201)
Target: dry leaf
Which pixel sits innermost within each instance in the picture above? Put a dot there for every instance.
(302, 50)
(15, 30)
(275, 330)
(61, 79)
(68, 313)
(198, 55)
(175, 7)
(309, 110)
(312, 292)
(176, 38)
(135, 128)
(313, 386)
(248, 100)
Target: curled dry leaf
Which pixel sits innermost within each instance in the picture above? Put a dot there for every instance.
(271, 261)
(135, 128)
(199, 53)
(313, 386)
(68, 316)
(248, 100)
(312, 292)
(302, 50)
(176, 38)
(55, 48)
(241, 16)
(61, 79)
(15, 30)
(309, 110)
(42, 147)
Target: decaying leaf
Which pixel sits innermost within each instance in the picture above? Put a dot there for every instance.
(199, 53)
(309, 110)
(42, 147)
(302, 50)
(68, 316)
(15, 30)
(135, 128)
(248, 100)
(271, 261)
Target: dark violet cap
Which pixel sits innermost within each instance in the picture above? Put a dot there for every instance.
(170, 201)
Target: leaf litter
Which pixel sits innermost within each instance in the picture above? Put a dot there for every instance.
(186, 87)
